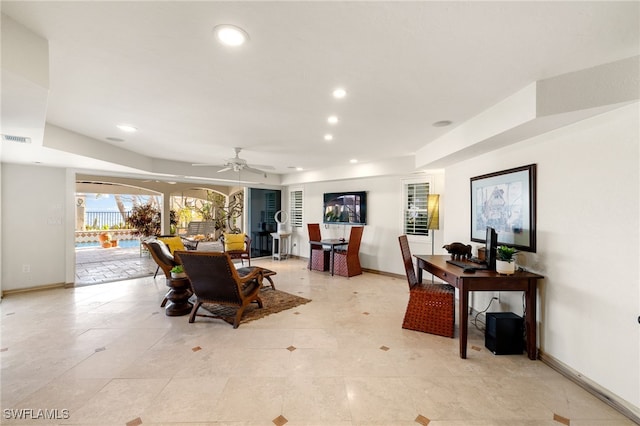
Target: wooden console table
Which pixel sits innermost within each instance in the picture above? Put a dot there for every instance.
(484, 281)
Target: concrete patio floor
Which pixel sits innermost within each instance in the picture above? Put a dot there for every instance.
(97, 265)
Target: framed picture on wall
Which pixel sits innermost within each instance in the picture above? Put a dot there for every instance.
(505, 201)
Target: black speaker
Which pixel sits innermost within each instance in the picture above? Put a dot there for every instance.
(504, 333)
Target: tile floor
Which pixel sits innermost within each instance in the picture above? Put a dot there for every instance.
(108, 355)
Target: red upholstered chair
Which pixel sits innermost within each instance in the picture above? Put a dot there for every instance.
(347, 262)
(431, 307)
(319, 257)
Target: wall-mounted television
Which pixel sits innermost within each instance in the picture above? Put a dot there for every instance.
(345, 208)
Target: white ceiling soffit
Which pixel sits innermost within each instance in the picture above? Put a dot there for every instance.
(25, 83)
(538, 108)
(405, 66)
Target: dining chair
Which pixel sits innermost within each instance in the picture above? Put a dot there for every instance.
(347, 262)
(431, 307)
(319, 256)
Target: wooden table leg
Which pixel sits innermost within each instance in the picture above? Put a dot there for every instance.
(530, 298)
(463, 309)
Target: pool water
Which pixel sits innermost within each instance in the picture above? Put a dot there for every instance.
(121, 243)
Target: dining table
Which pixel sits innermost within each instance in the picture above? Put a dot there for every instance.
(332, 243)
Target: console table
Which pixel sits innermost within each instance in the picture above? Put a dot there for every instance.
(484, 281)
(283, 240)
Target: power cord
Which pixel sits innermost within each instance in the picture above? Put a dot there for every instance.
(475, 319)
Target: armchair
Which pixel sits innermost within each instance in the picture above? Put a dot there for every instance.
(161, 255)
(176, 243)
(237, 246)
(214, 279)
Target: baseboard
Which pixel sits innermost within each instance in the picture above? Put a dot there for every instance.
(386, 274)
(36, 288)
(623, 407)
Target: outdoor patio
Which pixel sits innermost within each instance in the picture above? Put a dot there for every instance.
(95, 265)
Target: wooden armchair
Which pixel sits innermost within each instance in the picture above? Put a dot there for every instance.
(161, 255)
(238, 246)
(176, 243)
(214, 279)
(347, 262)
(431, 307)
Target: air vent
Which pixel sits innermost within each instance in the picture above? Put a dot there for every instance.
(19, 139)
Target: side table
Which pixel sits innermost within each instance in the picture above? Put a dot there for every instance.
(178, 297)
(283, 239)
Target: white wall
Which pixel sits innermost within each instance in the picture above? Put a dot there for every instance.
(588, 244)
(379, 249)
(33, 226)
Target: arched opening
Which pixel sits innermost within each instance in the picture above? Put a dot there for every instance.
(178, 207)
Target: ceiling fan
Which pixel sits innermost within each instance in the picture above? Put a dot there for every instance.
(238, 164)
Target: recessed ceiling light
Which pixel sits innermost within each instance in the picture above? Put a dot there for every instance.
(126, 128)
(339, 93)
(328, 137)
(332, 120)
(353, 161)
(299, 169)
(230, 35)
(442, 123)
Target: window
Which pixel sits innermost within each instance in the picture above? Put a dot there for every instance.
(416, 220)
(295, 201)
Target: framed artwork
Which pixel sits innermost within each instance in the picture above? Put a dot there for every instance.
(505, 201)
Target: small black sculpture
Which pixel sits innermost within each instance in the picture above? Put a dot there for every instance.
(458, 250)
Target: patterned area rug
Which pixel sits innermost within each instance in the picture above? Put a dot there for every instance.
(273, 301)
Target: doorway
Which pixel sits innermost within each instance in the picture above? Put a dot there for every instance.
(263, 205)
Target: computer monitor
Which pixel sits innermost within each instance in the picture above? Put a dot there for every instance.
(491, 245)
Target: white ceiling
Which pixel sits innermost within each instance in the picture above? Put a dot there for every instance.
(405, 65)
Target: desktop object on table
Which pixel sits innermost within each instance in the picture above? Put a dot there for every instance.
(477, 264)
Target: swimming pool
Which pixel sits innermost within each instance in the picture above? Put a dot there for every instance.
(121, 243)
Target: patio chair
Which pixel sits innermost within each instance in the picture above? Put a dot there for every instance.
(161, 255)
(431, 307)
(214, 279)
(347, 262)
(237, 246)
(176, 243)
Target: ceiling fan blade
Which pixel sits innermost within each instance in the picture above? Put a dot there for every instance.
(263, 167)
(225, 169)
(203, 165)
(252, 170)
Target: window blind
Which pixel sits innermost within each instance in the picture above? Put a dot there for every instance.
(295, 200)
(415, 208)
